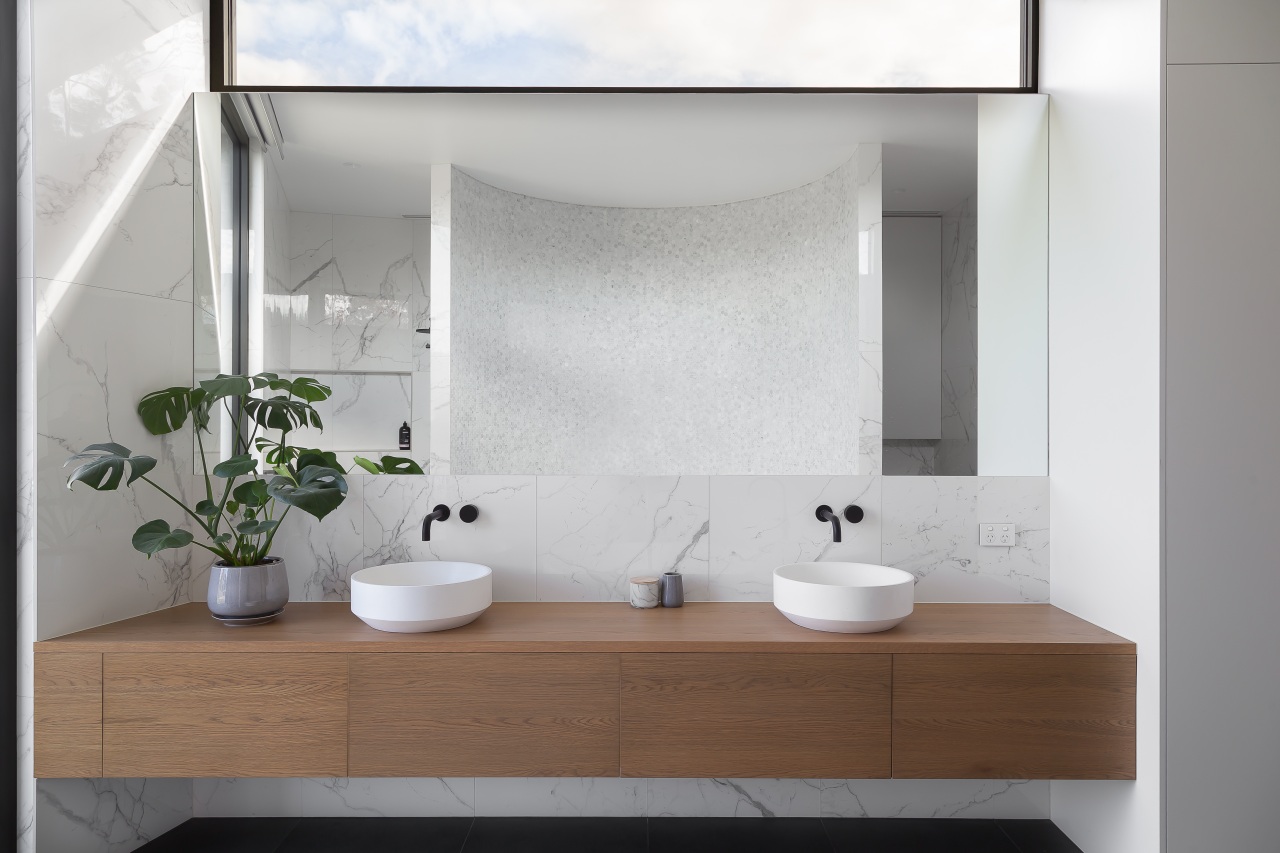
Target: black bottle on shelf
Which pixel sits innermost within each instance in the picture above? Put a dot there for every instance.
(404, 436)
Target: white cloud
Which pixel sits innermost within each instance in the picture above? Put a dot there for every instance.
(637, 42)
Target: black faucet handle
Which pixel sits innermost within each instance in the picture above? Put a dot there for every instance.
(853, 514)
(469, 513)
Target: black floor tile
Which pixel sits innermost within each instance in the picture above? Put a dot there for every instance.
(380, 834)
(556, 835)
(737, 835)
(1038, 836)
(223, 835)
(900, 835)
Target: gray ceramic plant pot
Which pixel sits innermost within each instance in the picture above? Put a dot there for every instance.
(240, 592)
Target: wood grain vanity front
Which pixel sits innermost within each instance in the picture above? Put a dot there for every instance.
(484, 715)
(591, 689)
(753, 715)
(224, 715)
(68, 720)
(1014, 716)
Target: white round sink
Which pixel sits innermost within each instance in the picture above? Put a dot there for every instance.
(846, 598)
(411, 598)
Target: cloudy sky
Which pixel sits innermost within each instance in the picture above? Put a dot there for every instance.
(631, 43)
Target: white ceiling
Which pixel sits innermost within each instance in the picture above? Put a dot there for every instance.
(624, 150)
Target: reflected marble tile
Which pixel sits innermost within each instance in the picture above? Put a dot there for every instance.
(762, 523)
(870, 265)
(310, 282)
(320, 555)
(370, 332)
(503, 537)
(733, 798)
(92, 374)
(958, 451)
(108, 815)
(935, 798)
(420, 288)
(596, 532)
(330, 797)
(420, 434)
(364, 413)
(374, 256)
(561, 797)
(931, 530)
(441, 333)
(909, 457)
(870, 411)
(246, 797)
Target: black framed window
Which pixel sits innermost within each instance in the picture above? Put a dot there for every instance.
(626, 45)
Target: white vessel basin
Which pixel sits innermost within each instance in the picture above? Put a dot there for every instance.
(411, 598)
(846, 598)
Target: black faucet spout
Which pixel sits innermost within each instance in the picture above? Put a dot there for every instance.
(825, 513)
(440, 513)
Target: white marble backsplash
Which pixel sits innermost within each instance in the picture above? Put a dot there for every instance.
(581, 538)
(108, 815)
(621, 797)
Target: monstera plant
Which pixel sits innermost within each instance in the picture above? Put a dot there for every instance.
(246, 497)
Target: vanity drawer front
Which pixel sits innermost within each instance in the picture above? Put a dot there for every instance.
(1014, 716)
(484, 714)
(755, 715)
(68, 715)
(224, 714)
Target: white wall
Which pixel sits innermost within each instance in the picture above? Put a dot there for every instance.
(1221, 411)
(1101, 69)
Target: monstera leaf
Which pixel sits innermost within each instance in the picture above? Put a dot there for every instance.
(310, 390)
(256, 527)
(282, 413)
(155, 536)
(318, 490)
(389, 465)
(251, 494)
(103, 466)
(222, 386)
(166, 411)
(236, 466)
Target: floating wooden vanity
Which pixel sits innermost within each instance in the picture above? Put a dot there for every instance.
(1010, 691)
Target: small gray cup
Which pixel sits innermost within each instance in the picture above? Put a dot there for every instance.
(241, 592)
(672, 589)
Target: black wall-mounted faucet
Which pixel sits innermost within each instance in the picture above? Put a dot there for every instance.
(824, 513)
(852, 514)
(440, 513)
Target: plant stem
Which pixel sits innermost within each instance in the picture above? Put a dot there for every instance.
(200, 521)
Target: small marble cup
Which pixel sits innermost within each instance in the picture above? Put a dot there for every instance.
(645, 593)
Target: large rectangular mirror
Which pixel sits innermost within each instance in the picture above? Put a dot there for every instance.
(637, 284)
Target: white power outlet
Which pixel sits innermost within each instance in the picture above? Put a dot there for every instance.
(1002, 534)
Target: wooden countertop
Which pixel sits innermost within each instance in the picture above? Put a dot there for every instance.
(609, 627)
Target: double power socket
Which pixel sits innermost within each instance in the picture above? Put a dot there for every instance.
(1002, 534)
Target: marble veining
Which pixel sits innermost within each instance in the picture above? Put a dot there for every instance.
(108, 815)
(596, 532)
(331, 797)
(440, 285)
(321, 555)
(502, 538)
(869, 329)
(555, 797)
(935, 798)
(931, 530)
(655, 328)
(760, 523)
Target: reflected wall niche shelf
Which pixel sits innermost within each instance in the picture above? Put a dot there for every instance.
(971, 691)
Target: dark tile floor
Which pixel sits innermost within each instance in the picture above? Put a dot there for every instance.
(609, 835)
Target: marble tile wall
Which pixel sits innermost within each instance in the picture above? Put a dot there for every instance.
(572, 319)
(107, 198)
(581, 538)
(870, 405)
(615, 797)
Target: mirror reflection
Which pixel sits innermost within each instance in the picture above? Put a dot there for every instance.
(647, 285)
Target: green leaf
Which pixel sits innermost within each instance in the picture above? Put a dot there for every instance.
(222, 538)
(323, 458)
(166, 411)
(251, 493)
(226, 386)
(103, 466)
(282, 413)
(276, 453)
(371, 467)
(310, 390)
(236, 466)
(155, 536)
(200, 404)
(207, 508)
(233, 507)
(318, 491)
(256, 528)
(400, 465)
